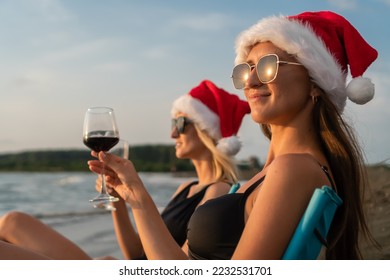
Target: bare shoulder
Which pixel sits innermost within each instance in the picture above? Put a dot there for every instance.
(216, 189)
(295, 162)
(291, 170)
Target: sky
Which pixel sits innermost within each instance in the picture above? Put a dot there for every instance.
(58, 58)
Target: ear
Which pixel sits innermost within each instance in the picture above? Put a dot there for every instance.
(315, 90)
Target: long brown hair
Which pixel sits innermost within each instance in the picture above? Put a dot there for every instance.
(346, 162)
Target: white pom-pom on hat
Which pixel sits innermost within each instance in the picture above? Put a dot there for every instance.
(229, 145)
(360, 90)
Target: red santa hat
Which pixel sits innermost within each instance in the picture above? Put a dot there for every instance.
(216, 111)
(325, 43)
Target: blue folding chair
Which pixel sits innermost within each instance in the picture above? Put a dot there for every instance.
(312, 230)
(234, 188)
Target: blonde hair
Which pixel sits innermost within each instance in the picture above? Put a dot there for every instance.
(224, 166)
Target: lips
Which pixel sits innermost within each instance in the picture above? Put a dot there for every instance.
(255, 95)
(178, 144)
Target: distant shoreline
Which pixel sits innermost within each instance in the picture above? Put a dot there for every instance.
(146, 158)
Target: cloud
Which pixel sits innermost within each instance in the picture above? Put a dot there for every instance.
(344, 4)
(83, 50)
(113, 66)
(158, 53)
(386, 2)
(52, 10)
(30, 81)
(208, 22)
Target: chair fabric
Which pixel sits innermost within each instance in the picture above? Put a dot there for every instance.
(311, 232)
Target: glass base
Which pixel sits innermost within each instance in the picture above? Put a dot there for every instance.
(103, 201)
(104, 205)
(104, 198)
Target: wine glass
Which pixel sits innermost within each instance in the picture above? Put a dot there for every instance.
(101, 134)
(121, 150)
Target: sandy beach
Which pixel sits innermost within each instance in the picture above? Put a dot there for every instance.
(378, 212)
(95, 233)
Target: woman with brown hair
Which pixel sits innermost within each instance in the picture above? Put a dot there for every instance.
(293, 71)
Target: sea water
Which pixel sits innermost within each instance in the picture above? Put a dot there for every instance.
(61, 200)
(67, 193)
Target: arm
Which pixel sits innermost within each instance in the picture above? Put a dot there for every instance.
(155, 237)
(126, 235)
(277, 207)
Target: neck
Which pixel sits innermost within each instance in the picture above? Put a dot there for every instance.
(205, 171)
(297, 137)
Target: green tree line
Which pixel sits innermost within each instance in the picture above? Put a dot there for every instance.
(147, 158)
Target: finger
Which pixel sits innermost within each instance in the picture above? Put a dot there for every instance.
(98, 184)
(97, 167)
(94, 154)
(112, 182)
(115, 163)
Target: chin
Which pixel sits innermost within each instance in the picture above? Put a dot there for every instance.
(180, 155)
(257, 118)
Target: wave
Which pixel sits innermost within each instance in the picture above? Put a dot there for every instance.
(93, 212)
(60, 219)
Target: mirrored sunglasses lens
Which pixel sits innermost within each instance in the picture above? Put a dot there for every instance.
(267, 68)
(240, 75)
(180, 124)
(173, 124)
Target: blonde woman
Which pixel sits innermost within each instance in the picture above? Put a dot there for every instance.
(204, 126)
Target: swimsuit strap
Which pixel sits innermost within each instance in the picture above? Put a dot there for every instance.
(203, 190)
(186, 189)
(205, 187)
(332, 183)
(253, 186)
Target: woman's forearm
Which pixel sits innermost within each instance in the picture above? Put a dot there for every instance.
(126, 235)
(157, 241)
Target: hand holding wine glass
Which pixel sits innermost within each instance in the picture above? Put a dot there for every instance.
(101, 134)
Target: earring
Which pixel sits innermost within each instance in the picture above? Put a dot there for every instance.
(314, 99)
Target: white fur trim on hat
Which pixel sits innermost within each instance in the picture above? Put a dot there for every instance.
(205, 118)
(229, 145)
(301, 41)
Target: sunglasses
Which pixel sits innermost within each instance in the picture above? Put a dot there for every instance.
(180, 124)
(266, 69)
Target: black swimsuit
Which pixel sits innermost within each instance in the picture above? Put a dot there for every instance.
(179, 210)
(216, 226)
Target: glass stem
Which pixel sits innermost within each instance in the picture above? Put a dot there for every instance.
(103, 189)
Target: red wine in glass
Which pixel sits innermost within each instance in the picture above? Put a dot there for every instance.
(101, 134)
(100, 143)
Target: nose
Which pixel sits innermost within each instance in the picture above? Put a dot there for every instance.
(174, 133)
(253, 79)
